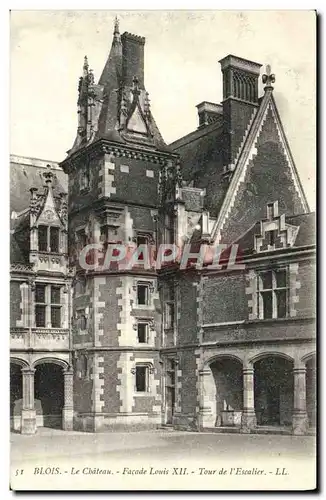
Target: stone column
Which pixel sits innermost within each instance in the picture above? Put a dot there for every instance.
(28, 420)
(299, 417)
(64, 299)
(68, 408)
(207, 398)
(248, 419)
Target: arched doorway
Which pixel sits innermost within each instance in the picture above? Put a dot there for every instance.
(311, 390)
(49, 394)
(16, 395)
(227, 375)
(273, 390)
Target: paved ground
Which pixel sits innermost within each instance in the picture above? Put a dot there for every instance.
(163, 449)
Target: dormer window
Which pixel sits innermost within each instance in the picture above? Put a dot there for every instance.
(48, 239)
(43, 238)
(54, 239)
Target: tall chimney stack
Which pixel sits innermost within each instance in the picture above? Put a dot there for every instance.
(132, 59)
(240, 98)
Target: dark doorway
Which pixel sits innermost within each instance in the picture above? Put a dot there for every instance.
(49, 395)
(170, 400)
(16, 396)
(170, 390)
(227, 373)
(274, 391)
(311, 391)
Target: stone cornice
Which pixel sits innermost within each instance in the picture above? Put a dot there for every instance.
(258, 322)
(100, 147)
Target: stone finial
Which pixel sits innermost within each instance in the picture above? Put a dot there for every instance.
(48, 176)
(116, 26)
(91, 78)
(268, 78)
(33, 191)
(116, 32)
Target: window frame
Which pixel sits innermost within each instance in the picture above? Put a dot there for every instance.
(84, 179)
(274, 292)
(49, 232)
(169, 304)
(38, 304)
(146, 367)
(169, 230)
(48, 305)
(147, 294)
(171, 368)
(146, 324)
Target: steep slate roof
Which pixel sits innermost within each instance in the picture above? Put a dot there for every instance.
(112, 101)
(26, 173)
(201, 159)
(17, 255)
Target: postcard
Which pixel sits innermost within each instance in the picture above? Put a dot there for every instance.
(163, 250)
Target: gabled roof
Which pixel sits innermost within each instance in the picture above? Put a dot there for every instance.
(214, 128)
(247, 151)
(26, 173)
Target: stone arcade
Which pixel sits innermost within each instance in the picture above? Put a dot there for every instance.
(195, 349)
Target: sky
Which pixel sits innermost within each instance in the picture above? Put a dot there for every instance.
(181, 70)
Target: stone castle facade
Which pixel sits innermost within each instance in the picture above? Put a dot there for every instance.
(106, 349)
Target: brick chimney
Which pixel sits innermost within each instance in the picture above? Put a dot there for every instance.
(208, 112)
(240, 98)
(132, 59)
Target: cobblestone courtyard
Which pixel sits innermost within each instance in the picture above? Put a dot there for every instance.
(288, 458)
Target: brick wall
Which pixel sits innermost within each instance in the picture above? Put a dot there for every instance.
(237, 117)
(83, 387)
(187, 313)
(268, 178)
(134, 180)
(187, 390)
(108, 310)
(80, 198)
(110, 395)
(224, 298)
(306, 305)
(262, 330)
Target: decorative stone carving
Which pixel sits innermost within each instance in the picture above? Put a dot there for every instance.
(268, 78)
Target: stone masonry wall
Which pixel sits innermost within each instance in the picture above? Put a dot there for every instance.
(15, 303)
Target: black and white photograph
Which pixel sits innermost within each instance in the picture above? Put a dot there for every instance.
(163, 250)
